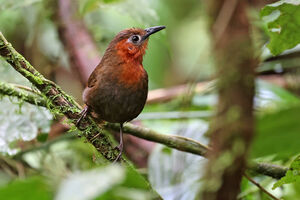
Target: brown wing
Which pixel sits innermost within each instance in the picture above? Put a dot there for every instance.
(93, 77)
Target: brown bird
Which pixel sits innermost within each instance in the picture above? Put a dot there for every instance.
(118, 87)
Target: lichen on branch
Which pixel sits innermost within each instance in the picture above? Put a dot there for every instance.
(22, 94)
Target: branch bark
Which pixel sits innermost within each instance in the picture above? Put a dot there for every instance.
(260, 187)
(167, 94)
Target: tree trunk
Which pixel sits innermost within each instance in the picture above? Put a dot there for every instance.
(232, 128)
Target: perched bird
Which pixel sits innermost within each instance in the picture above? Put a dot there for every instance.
(118, 87)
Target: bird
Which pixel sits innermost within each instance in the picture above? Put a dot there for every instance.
(117, 89)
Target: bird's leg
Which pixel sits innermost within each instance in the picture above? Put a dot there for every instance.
(120, 146)
(82, 114)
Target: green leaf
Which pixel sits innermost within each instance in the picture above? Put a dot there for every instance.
(283, 24)
(134, 179)
(292, 175)
(278, 134)
(123, 193)
(134, 187)
(90, 184)
(33, 188)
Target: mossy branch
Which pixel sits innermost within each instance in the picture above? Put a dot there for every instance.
(59, 102)
(173, 141)
(22, 94)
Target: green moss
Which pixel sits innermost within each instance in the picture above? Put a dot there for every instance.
(22, 95)
(103, 144)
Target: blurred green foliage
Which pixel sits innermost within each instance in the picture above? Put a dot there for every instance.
(181, 54)
(278, 134)
(34, 188)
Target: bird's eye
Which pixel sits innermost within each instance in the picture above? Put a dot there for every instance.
(135, 38)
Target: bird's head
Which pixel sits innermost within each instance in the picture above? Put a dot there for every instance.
(130, 44)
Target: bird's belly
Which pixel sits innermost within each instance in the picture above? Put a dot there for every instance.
(117, 104)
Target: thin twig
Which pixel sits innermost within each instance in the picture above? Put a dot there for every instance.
(22, 93)
(268, 169)
(260, 187)
(173, 141)
(167, 94)
(175, 115)
(23, 87)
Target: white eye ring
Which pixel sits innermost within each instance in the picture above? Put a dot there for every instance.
(135, 39)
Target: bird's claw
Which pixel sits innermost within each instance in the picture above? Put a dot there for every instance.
(118, 158)
(82, 114)
(120, 148)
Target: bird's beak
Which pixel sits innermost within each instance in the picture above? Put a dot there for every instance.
(152, 30)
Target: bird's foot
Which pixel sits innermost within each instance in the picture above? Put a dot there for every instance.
(82, 114)
(120, 148)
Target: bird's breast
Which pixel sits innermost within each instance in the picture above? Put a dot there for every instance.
(131, 76)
